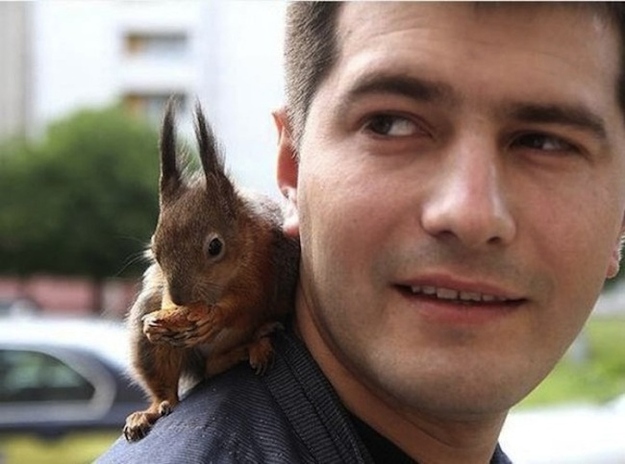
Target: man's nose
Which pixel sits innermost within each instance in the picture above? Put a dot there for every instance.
(469, 200)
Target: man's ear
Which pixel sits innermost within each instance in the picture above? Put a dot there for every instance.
(615, 259)
(288, 169)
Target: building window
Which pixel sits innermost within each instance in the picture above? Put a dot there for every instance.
(156, 45)
(152, 105)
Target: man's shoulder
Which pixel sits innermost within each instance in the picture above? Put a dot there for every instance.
(239, 417)
(225, 419)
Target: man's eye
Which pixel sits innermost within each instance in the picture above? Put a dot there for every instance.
(391, 126)
(543, 142)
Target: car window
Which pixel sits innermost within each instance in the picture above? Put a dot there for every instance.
(31, 376)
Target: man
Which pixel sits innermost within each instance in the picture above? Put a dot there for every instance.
(455, 175)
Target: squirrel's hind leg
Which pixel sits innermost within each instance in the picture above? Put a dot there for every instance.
(160, 368)
(237, 346)
(258, 352)
(218, 363)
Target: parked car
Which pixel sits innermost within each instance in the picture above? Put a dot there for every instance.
(18, 307)
(568, 434)
(62, 379)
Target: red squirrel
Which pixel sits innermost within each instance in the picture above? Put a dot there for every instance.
(222, 278)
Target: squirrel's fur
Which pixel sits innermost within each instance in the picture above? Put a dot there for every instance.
(222, 277)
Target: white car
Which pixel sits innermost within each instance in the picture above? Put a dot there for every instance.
(63, 384)
(569, 434)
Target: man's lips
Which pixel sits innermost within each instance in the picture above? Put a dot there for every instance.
(459, 307)
(450, 294)
(460, 292)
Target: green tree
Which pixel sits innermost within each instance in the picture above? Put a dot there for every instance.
(82, 200)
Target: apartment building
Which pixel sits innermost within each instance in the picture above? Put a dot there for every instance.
(15, 62)
(57, 57)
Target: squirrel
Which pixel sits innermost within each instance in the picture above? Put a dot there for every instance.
(221, 280)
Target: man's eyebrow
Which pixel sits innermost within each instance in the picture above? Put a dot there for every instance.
(429, 91)
(567, 115)
(399, 84)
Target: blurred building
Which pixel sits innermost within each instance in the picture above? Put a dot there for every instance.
(57, 57)
(15, 68)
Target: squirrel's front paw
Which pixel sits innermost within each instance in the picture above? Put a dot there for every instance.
(186, 327)
(175, 324)
(156, 330)
(166, 326)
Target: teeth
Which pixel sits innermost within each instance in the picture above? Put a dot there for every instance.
(451, 294)
(427, 290)
(471, 296)
(446, 294)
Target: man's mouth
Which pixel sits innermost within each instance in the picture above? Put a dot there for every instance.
(456, 296)
(443, 293)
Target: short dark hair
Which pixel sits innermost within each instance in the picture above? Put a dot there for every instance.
(311, 50)
(615, 11)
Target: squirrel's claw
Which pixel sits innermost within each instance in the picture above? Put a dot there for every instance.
(138, 424)
(260, 355)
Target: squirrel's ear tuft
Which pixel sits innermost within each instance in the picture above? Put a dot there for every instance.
(207, 143)
(218, 185)
(170, 175)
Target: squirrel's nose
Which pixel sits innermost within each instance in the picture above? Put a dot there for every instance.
(179, 293)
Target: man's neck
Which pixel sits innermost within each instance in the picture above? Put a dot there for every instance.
(425, 438)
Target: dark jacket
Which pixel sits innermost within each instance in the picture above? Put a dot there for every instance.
(290, 415)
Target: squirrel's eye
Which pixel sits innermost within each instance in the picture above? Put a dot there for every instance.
(214, 247)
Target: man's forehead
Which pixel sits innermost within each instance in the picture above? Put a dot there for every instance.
(590, 36)
(351, 14)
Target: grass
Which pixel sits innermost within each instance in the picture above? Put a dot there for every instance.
(598, 377)
(78, 448)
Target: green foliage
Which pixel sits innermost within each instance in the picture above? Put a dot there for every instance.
(599, 378)
(83, 200)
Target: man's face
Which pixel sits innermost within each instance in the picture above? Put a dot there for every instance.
(459, 198)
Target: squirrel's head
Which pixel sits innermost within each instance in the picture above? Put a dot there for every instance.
(197, 241)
